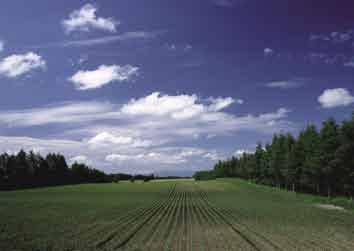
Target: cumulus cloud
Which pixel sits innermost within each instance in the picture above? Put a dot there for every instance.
(85, 19)
(103, 75)
(19, 64)
(159, 105)
(331, 98)
(156, 116)
(178, 107)
(128, 138)
(190, 116)
(107, 139)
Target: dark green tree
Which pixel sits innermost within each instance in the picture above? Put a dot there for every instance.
(320, 162)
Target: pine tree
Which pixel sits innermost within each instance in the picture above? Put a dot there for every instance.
(330, 141)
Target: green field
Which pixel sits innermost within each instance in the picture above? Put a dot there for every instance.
(224, 214)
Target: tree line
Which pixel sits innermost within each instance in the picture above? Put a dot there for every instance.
(318, 161)
(29, 170)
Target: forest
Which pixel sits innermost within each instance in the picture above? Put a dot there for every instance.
(318, 161)
(29, 170)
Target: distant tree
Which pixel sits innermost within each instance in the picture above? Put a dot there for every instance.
(312, 173)
(320, 162)
(344, 156)
(287, 171)
(24, 170)
(330, 142)
(204, 175)
(116, 178)
(277, 159)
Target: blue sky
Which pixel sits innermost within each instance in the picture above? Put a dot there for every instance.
(169, 87)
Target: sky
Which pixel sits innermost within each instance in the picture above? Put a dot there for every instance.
(169, 87)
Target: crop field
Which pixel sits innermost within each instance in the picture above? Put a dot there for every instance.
(225, 214)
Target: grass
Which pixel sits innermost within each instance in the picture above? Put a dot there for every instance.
(226, 214)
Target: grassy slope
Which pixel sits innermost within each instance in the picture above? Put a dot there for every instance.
(77, 217)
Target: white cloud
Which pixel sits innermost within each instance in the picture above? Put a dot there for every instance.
(218, 104)
(191, 152)
(2, 45)
(128, 138)
(19, 64)
(103, 75)
(168, 156)
(83, 58)
(268, 52)
(119, 157)
(179, 107)
(178, 47)
(314, 37)
(107, 139)
(334, 37)
(85, 19)
(281, 84)
(81, 159)
(335, 97)
(188, 112)
(181, 117)
(43, 146)
(155, 118)
(112, 160)
(158, 105)
(349, 64)
(286, 84)
(188, 47)
(148, 158)
(171, 47)
(127, 36)
(60, 113)
(240, 152)
(139, 140)
(212, 156)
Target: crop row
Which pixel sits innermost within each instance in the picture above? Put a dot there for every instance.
(290, 239)
(189, 217)
(186, 221)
